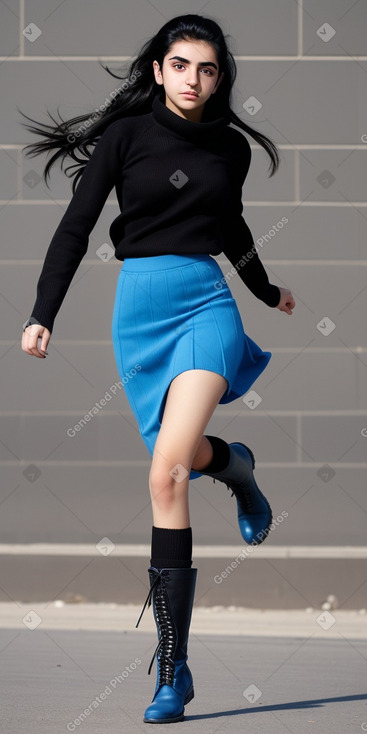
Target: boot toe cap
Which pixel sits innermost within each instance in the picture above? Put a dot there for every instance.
(256, 530)
(167, 705)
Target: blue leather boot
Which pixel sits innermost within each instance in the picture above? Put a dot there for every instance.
(172, 591)
(254, 512)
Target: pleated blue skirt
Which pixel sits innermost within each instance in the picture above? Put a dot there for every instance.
(174, 313)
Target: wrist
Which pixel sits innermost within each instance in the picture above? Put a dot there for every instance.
(272, 296)
(30, 322)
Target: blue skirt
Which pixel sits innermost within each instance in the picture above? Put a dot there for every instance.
(174, 313)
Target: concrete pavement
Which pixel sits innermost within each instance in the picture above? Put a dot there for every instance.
(83, 667)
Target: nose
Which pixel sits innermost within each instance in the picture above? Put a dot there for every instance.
(193, 79)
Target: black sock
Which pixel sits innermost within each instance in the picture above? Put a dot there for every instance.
(221, 455)
(171, 548)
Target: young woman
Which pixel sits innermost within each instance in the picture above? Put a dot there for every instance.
(178, 169)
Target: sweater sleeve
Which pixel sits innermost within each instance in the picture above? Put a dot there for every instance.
(239, 246)
(69, 243)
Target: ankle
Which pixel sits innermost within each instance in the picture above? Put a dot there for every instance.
(171, 548)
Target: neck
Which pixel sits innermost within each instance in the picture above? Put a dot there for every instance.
(192, 115)
(203, 131)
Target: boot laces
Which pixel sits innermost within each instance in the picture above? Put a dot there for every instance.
(242, 495)
(166, 647)
(149, 597)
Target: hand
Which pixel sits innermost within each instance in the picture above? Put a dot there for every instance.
(287, 301)
(30, 340)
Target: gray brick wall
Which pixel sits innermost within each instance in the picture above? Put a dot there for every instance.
(311, 79)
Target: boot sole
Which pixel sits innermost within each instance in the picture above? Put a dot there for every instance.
(165, 721)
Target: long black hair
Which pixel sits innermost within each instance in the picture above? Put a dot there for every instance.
(135, 97)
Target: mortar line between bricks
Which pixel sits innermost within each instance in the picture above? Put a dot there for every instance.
(291, 57)
(199, 551)
(299, 450)
(300, 29)
(275, 349)
(279, 203)
(263, 413)
(285, 261)
(70, 464)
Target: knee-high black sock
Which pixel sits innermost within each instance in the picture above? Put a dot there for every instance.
(221, 454)
(171, 548)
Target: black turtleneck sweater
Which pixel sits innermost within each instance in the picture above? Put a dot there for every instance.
(179, 188)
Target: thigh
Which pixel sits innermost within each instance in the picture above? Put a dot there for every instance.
(191, 400)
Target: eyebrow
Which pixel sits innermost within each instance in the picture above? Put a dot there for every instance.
(201, 63)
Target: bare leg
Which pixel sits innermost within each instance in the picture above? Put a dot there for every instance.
(191, 400)
(203, 455)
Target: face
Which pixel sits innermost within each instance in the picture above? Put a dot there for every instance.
(196, 70)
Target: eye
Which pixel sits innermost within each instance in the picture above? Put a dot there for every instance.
(208, 70)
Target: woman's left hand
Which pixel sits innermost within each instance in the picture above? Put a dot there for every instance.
(287, 301)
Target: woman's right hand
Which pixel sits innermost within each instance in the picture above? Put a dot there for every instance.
(30, 340)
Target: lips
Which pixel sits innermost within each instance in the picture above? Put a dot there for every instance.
(190, 94)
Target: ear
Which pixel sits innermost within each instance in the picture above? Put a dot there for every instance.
(218, 82)
(157, 73)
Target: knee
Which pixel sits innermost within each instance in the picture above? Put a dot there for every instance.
(165, 487)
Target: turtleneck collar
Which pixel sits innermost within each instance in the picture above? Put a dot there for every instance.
(195, 131)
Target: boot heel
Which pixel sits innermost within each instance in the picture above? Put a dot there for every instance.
(250, 452)
(189, 696)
